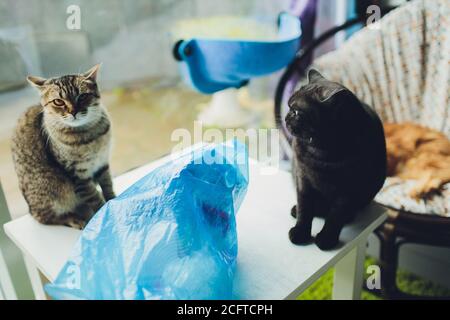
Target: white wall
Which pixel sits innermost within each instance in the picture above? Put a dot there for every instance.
(131, 38)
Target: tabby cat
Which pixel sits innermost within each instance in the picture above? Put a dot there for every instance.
(61, 150)
(339, 161)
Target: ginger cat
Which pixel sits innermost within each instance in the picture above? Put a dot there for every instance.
(419, 153)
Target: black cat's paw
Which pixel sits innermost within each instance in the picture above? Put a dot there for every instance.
(299, 236)
(325, 242)
(294, 211)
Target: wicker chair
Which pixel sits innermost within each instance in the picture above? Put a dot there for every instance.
(414, 41)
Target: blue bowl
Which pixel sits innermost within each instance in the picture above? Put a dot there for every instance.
(211, 65)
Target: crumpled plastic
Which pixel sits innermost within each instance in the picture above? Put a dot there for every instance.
(171, 235)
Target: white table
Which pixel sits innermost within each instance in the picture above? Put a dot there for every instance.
(268, 265)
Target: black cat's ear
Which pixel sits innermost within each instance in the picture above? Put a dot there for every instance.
(36, 82)
(91, 74)
(314, 76)
(329, 92)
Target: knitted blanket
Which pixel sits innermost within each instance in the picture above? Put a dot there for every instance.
(401, 67)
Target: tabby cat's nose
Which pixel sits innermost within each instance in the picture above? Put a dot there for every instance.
(73, 113)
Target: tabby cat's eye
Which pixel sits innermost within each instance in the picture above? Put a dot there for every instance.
(58, 102)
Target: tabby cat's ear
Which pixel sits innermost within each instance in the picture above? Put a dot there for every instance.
(36, 82)
(314, 75)
(91, 74)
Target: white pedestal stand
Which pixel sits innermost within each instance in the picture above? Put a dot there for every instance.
(225, 111)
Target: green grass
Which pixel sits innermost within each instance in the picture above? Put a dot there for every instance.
(407, 282)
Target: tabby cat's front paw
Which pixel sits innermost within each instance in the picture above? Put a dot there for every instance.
(326, 242)
(97, 204)
(299, 236)
(76, 222)
(108, 196)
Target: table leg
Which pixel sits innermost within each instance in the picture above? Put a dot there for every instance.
(349, 274)
(35, 279)
(6, 287)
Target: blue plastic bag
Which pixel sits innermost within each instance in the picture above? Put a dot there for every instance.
(171, 235)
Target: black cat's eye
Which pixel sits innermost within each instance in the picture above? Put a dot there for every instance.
(58, 102)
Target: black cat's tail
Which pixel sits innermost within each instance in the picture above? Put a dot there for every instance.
(279, 93)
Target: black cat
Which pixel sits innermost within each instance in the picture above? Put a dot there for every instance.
(339, 160)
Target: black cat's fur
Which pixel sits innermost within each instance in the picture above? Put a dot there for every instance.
(339, 160)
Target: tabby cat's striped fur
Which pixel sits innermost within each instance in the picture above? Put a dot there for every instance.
(61, 151)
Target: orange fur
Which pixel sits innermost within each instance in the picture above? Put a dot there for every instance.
(419, 153)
